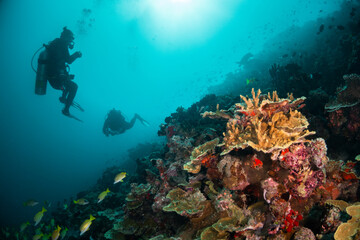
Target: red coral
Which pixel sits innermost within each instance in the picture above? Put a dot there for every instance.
(257, 163)
(170, 131)
(291, 220)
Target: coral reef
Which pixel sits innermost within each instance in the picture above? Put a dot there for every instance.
(249, 170)
(265, 124)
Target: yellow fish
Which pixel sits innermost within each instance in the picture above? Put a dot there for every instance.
(86, 225)
(24, 226)
(119, 177)
(39, 215)
(37, 236)
(81, 201)
(56, 233)
(103, 195)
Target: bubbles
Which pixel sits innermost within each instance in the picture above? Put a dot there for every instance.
(86, 21)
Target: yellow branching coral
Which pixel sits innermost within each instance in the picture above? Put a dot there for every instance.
(252, 103)
(218, 114)
(194, 165)
(268, 124)
(185, 203)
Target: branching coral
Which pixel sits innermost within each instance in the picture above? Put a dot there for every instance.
(266, 123)
(218, 114)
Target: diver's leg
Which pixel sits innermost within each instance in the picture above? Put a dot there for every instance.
(65, 92)
(64, 78)
(71, 87)
(132, 122)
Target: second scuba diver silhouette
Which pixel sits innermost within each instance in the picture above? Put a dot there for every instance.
(115, 123)
(53, 67)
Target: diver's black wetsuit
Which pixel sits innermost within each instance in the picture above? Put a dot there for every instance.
(58, 76)
(115, 123)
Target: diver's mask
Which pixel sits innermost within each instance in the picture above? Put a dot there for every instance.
(71, 44)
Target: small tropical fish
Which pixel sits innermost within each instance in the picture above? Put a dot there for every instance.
(103, 195)
(56, 233)
(119, 177)
(39, 215)
(86, 225)
(250, 80)
(65, 206)
(81, 201)
(24, 226)
(37, 236)
(30, 203)
(63, 233)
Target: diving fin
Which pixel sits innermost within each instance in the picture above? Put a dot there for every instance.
(143, 121)
(77, 106)
(74, 117)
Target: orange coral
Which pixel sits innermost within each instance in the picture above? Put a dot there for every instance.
(207, 160)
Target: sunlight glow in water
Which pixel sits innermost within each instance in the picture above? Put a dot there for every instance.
(179, 22)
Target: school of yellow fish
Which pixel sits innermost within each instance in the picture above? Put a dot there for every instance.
(57, 233)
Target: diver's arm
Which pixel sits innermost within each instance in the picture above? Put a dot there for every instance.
(73, 57)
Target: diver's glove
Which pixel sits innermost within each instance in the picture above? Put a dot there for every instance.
(78, 54)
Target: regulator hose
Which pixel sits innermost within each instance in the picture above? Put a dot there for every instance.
(32, 59)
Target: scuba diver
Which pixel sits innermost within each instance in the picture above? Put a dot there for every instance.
(53, 67)
(115, 123)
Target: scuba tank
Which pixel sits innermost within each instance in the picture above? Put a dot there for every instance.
(41, 78)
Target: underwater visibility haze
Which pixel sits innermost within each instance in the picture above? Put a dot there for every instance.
(187, 154)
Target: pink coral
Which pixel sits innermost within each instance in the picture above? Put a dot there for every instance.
(306, 162)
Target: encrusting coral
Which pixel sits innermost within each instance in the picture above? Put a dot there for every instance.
(198, 154)
(351, 229)
(185, 203)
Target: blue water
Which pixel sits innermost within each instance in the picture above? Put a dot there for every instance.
(147, 57)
